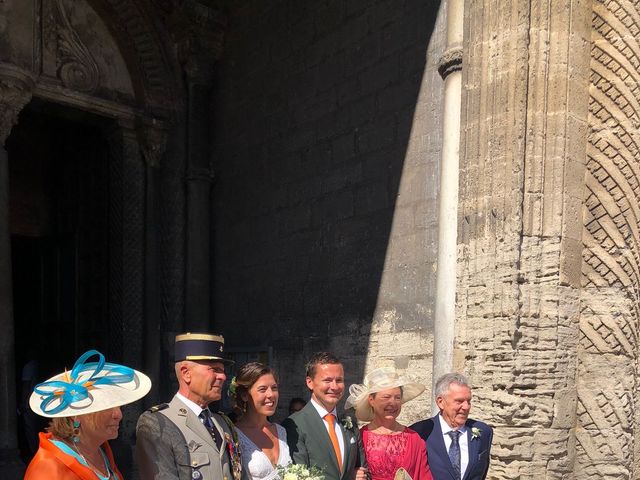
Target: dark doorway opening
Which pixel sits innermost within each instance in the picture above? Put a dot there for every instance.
(58, 174)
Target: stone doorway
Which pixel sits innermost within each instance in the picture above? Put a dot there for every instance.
(59, 217)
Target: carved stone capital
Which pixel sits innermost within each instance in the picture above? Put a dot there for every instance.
(451, 61)
(153, 141)
(16, 88)
(198, 30)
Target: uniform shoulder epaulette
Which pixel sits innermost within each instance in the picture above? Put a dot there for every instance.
(157, 408)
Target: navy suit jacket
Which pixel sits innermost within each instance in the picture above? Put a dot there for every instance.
(438, 457)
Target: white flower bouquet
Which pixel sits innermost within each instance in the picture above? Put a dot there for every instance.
(294, 471)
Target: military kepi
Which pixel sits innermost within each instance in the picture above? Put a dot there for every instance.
(200, 346)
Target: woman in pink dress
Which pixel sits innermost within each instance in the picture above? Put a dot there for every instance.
(388, 445)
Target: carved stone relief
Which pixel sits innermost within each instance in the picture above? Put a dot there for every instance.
(78, 51)
(198, 31)
(16, 87)
(153, 142)
(133, 22)
(77, 69)
(607, 432)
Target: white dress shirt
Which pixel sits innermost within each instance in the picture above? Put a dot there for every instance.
(462, 440)
(338, 428)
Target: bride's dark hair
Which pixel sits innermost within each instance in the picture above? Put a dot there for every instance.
(249, 374)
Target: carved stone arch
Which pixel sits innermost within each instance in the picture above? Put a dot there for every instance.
(71, 72)
(154, 73)
(147, 236)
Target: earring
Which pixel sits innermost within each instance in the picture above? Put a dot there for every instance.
(76, 431)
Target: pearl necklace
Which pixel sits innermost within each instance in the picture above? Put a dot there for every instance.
(92, 466)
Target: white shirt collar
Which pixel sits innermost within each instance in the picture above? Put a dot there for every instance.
(194, 407)
(321, 410)
(446, 428)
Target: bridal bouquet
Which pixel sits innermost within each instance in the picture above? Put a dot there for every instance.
(294, 471)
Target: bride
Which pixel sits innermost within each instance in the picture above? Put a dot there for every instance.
(263, 444)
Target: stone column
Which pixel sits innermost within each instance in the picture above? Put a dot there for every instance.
(199, 182)
(126, 254)
(154, 139)
(16, 86)
(522, 167)
(450, 69)
(198, 30)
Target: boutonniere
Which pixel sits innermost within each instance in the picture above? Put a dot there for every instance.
(347, 422)
(475, 433)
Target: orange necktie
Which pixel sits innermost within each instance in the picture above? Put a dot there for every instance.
(331, 420)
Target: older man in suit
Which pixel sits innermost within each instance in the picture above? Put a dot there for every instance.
(183, 440)
(458, 447)
(315, 435)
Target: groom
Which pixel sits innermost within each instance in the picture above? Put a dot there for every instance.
(315, 435)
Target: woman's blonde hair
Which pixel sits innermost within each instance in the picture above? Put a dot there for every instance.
(63, 427)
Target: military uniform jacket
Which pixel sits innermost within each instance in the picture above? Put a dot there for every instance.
(173, 444)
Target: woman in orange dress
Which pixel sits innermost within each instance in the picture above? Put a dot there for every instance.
(84, 407)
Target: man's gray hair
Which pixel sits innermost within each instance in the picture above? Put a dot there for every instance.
(445, 381)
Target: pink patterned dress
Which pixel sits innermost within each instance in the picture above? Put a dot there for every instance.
(386, 453)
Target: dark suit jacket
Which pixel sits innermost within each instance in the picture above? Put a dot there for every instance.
(309, 444)
(438, 457)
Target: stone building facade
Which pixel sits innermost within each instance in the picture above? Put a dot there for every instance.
(547, 316)
(276, 171)
(326, 149)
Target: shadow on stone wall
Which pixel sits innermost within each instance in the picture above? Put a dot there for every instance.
(317, 126)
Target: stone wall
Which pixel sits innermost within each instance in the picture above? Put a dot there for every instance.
(608, 429)
(326, 151)
(547, 285)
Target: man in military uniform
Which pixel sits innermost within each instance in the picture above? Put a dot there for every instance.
(182, 439)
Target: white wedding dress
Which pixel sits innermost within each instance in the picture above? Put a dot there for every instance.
(256, 462)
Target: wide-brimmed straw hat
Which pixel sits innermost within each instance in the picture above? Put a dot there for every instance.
(89, 387)
(377, 381)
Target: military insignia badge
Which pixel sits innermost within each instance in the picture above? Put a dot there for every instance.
(233, 447)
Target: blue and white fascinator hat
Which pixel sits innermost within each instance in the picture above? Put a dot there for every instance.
(376, 381)
(90, 386)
